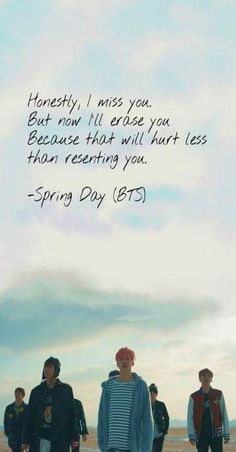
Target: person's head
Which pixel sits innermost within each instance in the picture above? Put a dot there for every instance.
(19, 395)
(114, 373)
(125, 358)
(153, 391)
(205, 376)
(51, 368)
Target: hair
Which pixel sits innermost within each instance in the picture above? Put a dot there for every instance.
(204, 372)
(52, 361)
(153, 388)
(20, 390)
(125, 352)
(114, 373)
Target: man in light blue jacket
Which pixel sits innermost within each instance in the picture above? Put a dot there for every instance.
(125, 422)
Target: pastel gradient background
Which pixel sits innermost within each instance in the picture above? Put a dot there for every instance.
(80, 282)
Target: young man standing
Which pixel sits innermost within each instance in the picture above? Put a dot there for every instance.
(161, 419)
(14, 418)
(206, 414)
(50, 422)
(125, 421)
(81, 423)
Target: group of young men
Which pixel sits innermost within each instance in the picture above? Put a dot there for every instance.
(130, 418)
(53, 420)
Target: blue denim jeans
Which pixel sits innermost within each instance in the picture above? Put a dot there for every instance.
(45, 445)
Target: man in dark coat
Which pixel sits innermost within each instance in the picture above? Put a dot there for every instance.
(161, 419)
(81, 422)
(50, 422)
(14, 418)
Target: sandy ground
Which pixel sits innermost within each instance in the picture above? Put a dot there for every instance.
(175, 442)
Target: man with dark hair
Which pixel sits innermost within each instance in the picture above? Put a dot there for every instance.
(81, 423)
(161, 419)
(206, 415)
(125, 421)
(114, 373)
(50, 422)
(14, 420)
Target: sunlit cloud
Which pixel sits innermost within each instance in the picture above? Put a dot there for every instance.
(80, 282)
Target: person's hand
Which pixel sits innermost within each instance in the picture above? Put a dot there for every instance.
(25, 447)
(74, 444)
(84, 438)
(193, 442)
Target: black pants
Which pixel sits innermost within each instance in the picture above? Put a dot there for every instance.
(158, 444)
(16, 449)
(60, 446)
(203, 444)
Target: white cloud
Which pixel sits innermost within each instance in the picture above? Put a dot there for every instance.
(191, 17)
(182, 259)
(186, 258)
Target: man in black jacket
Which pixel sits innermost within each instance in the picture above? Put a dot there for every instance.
(14, 420)
(161, 419)
(81, 423)
(50, 422)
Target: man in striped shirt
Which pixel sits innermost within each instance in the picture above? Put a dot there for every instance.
(125, 419)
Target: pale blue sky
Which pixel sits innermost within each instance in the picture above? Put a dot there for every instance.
(80, 282)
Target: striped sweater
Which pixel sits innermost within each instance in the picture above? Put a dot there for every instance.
(137, 424)
(120, 395)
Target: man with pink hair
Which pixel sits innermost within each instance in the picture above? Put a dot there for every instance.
(125, 421)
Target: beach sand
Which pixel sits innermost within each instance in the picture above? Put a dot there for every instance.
(176, 441)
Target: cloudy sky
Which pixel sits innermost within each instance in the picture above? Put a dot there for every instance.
(79, 282)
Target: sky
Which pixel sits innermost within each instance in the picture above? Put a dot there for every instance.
(79, 282)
